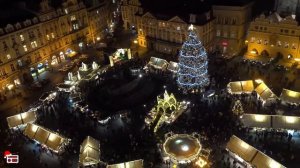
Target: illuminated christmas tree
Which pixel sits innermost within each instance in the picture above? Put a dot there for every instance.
(237, 108)
(193, 64)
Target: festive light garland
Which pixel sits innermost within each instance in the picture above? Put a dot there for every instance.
(192, 74)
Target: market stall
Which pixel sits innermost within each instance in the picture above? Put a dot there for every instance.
(240, 87)
(158, 63)
(290, 96)
(120, 55)
(173, 67)
(248, 155)
(130, 164)
(256, 120)
(264, 92)
(21, 119)
(49, 139)
(89, 152)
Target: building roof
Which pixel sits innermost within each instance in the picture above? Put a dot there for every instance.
(232, 2)
(89, 151)
(11, 14)
(22, 118)
(182, 8)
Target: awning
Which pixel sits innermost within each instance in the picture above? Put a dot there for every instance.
(264, 92)
(89, 151)
(239, 87)
(48, 138)
(130, 164)
(251, 154)
(20, 119)
(286, 122)
(290, 96)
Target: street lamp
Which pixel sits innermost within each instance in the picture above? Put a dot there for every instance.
(135, 41)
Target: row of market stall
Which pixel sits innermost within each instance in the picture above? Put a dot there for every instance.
(263, 91)
(249, 156)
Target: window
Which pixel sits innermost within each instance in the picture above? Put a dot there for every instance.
(73, 18)
(66, 11)
(97, 12)
(19, 62)
(52, 35)
(279, 43)
(178, 27)
(225, 34)
(232, 34)
(259, 41)
(8, 56)
(48, 37)
(12, 67)
(256, 27)
(266, 42)
(286, 45)
(293, 31)
(22, 37)
(33, 44)
(286, 31)
(25, 48)
(218, 32)
(293, 46)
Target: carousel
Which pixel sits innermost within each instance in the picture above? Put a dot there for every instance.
(184, 149)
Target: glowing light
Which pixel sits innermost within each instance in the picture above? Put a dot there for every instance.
(244, 145)
(135, 41)
(178, 141)
(292, 93)
(253, 52)
(201, 163)
(52, 137)
(258, 81)
(290, 119)
(185, 148)
(191, 27)
(274, 164)
(260, 118)
(34, 128)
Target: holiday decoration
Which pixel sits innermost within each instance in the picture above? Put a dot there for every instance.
(193, 64)
(237, 108)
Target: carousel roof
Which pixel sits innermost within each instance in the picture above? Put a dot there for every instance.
(182, 147)
(89, 151)
(22, 118)
(44, 136)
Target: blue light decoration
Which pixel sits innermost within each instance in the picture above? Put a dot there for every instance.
(192, 74)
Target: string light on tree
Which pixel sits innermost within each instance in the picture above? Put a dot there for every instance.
(237, 108)
(193, 64)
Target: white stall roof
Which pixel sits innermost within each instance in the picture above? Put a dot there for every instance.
(20, 119)
(290, 96)
(256, 120)
(239, 87)
(89, 151)
(264, 92)
(130, 164)
(173, 66)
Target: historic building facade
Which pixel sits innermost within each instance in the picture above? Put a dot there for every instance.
(231, 25)
(27, 48)
(128, 9)
(271, 36)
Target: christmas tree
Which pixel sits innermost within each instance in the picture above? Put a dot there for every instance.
(192, 74)
(237, 108)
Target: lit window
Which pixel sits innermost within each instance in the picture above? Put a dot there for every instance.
(286, 45)
(97, 11)
(19, 62)
(22, 37)
(266, 42)
(25, 48)
(73, 17)
(259, 41)
(52, 35)
(178, 28)
(218, 32)
(278, 43)
(33, 44)
(252, 39)
(293, 46)
(48, 37)
(8, 56)
(66, 11)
